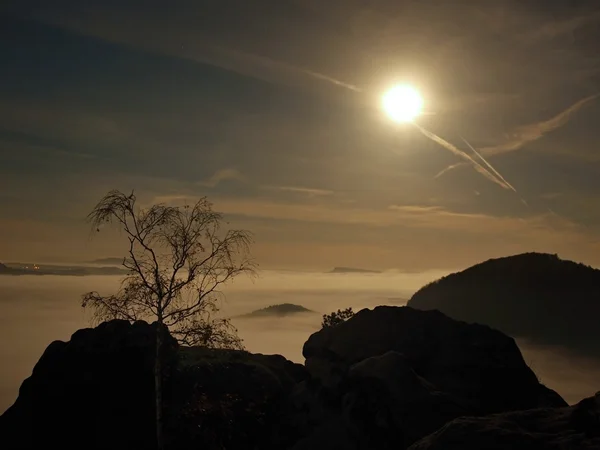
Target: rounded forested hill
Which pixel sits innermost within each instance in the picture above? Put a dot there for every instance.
(281, 310)
(534, 295)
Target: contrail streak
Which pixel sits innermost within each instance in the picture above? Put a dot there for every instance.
(488, 164)
(498, 174)
(529, 133)
(320, 76)
(447, 145)
(449, 168)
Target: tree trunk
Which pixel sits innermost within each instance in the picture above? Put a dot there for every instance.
(158, 387)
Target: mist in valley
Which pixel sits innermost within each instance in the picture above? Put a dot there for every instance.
(34, 311)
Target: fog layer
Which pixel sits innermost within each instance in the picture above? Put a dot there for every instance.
(34, 311)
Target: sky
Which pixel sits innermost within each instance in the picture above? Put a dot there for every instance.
(272, 109)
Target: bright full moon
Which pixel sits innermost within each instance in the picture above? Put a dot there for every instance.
(403, 103)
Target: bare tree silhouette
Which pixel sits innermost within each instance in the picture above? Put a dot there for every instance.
(178, 259)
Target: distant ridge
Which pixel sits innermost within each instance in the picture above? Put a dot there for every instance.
(23, 269)
(352, 270)
(281, 310)
(533, 295)
(109, 261)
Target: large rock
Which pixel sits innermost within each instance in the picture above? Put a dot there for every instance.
(534, 295)
(395, 374)
(473, 362)
(95, 391)
(576, 427)
(382, 403)
(234, 399)
(411, 400)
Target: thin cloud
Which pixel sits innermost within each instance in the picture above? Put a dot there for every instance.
(529, 133)
(417, 209)
(302, 190)
(533, 132)
(257, 66)
(559, 29)
(419, 216)
(248, 63)
(183, 44)
(222, 175)
(169, 199)
(333, 80)
(551, 195)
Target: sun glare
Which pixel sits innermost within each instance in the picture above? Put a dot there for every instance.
(403, 103)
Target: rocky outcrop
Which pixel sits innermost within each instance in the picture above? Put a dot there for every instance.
(403, 373)
(473, 362)
(573, 428)
(387, 378)
(96, 391)
(233, 399)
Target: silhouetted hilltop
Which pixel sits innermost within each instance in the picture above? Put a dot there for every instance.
(534, 295)
(383, 379)
(352, 270)
(284, 309)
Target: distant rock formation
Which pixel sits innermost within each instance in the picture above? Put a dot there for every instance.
(282, 310)
(533, 295)
(386, 378)
(352, 270)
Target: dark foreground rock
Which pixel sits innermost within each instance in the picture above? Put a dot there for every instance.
(387, 378)
(576, 427)
(395, 374)
(473, 362)
(229, 399)
(97, 392)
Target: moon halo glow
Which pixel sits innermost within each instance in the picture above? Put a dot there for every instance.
(403, 103)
